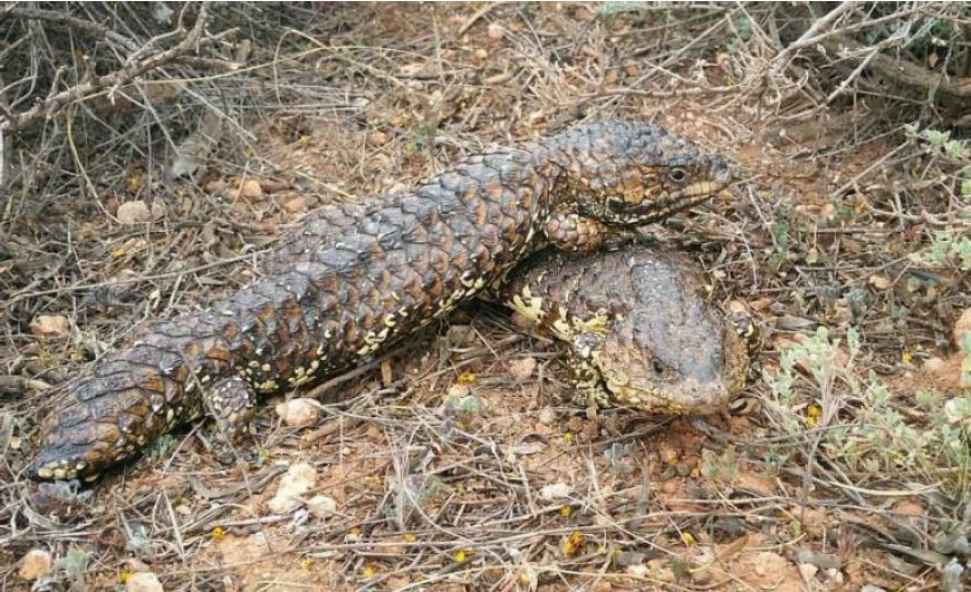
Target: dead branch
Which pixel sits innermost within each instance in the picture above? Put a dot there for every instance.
(73, 23)
(899, 70)
(4, 140)
(54, 103)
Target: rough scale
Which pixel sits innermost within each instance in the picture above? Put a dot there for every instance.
(360, 277)
(637, 328)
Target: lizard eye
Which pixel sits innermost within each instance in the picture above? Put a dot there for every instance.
(658, 366)
(678, 175)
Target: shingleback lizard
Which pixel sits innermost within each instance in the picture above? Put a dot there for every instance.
(359, 277)
(638, 330)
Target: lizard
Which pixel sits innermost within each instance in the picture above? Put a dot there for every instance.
(358, 277)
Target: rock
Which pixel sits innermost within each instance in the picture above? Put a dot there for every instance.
(322, 506)
(547, 416)
(297, 205)
(669, 486)
(522, 368)
(298, 480)
(251, 189)
(216, 186)
(908, 508)
(834, 579)
(35, 564)
(299, 413)
(530, 444)
(880, 281)
(808, 571)
(637, 570)
(50, 325)
(143, 581)
(378, 138)
(555, 491)
(134, 212)
(948, 374)
(769, 563)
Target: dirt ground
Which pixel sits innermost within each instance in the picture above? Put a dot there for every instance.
(456, 464)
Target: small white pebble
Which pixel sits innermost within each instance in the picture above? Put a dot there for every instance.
(133, 212)
(638, 571)
(298, 480)
(53, 325)
(522, 368)
(297, 205)
(216, 186)
(547, 416)
(322, 506)
(144, 581)
(555, 490)
(35, 564)
(807, 571)
(298, 413)
(251, 189)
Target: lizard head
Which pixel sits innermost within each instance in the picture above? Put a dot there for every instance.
(657, 377)
(635, 173)
(673, 352)
(640, 332)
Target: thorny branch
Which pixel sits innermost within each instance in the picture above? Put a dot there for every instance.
(52, 104)
(833, 40)
(72, 22)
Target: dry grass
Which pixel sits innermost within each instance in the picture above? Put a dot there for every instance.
(450, 469)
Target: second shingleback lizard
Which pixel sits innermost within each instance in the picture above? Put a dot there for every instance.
(358, 278)
(638, 330)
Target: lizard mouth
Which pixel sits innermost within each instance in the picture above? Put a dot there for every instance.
(658, 209)
(646, 208)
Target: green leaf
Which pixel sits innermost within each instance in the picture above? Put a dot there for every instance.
(955, 149)
(935, 137)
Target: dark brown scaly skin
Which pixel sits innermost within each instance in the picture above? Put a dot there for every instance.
(639, 331)
(360, 277)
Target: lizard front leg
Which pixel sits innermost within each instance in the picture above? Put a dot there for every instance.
(590, 391)
(231, 402)
(569, 231)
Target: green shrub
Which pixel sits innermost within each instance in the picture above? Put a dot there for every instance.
(870, 433)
